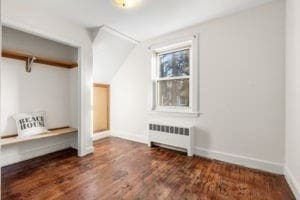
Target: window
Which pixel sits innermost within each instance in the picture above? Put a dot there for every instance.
(173, 81)
(174, 76)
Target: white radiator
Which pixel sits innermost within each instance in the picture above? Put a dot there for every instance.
(171, 135)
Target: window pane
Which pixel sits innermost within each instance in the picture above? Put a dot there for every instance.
(175, 63)
(173, 92)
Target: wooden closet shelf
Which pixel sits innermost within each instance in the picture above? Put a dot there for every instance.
(6, 140)
(41, 60)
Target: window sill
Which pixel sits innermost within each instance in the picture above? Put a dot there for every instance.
(177, 113)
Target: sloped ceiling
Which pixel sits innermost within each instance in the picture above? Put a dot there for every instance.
(110, 50)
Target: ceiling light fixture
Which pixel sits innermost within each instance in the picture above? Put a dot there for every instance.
(126, 3)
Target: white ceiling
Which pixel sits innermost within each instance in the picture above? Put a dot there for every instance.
(151, 18)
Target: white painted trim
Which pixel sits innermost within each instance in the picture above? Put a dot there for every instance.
(175, 113)
(191, 42)
(36, 152)
(292, 181)
(101, 135)
(225, 157)
(88, 150)
(119, 34)
(240, 160)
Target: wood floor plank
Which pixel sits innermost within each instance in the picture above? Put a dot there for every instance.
(121, 169)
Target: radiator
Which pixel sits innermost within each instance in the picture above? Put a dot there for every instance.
(171, 135)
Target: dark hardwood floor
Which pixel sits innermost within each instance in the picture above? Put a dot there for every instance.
(121, 169)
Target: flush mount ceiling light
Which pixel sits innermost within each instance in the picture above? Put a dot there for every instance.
(126, 3)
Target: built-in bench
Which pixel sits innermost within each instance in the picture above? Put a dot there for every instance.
(13, 139)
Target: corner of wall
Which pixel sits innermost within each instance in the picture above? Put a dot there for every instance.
(129, 136)
(291, 179)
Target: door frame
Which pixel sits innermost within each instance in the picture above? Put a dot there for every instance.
(108, 105)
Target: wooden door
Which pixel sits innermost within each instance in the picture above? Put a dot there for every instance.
(101, 108)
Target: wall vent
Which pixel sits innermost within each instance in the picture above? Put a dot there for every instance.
(169, 129)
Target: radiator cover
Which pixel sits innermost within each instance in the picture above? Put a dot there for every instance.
(173, 135)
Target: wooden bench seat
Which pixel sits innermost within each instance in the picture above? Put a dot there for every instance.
(6, 140)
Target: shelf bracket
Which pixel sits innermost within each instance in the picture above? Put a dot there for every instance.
(29, 63)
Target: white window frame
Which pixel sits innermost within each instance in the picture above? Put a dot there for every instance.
(190, 42)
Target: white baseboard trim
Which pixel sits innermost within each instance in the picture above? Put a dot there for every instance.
(241, 160)
(89, 150)
(101, 135)
(292, 181)
(132, 137)
(86, 151)
(36, 152)
(225, 157)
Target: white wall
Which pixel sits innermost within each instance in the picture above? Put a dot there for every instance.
(109, 53)
(30, 19)
(241, 89)
(46, 89)
(292, 150)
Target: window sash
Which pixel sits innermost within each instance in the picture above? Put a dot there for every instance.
(158, 78)
(175, 48)
(172, 107)
(173, 78)
(172, 50)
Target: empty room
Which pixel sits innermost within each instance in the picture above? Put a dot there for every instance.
(150, 99)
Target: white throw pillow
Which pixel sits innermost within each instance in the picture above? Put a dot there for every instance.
(29, 124)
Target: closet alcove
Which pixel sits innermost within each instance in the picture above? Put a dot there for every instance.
(37, 74)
